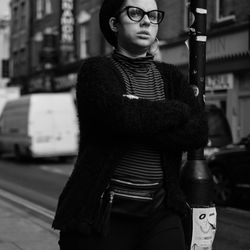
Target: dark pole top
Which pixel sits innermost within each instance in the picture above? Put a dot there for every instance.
(197, 46)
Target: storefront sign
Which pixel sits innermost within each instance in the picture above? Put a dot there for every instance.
(67, 22)
(217, 47)
(219, 82)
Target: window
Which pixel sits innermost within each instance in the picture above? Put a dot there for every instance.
(5, 68)
(83, 20)
(39, 9)
(22, 61)
(23, 12)
(15, 19)
(15, 64)
(48, 7)
(186, 15)
(224, 10)
(36, 48)
(84, 40)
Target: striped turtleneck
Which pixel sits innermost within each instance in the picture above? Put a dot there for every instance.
(142, 162)
(141, 76)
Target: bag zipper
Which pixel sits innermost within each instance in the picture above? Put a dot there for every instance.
(113, 193)
(136, 184)
(104, 191)
(105, 216)
(103, 220)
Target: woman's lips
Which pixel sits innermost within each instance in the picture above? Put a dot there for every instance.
(143, 34)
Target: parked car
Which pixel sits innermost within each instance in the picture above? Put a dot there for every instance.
(219, 133)
(230, 167)
(39, 125)
(219, 136)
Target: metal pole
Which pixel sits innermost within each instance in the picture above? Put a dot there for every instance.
(196, 179)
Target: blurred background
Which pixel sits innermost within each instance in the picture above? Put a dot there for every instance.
(43, 42)
(42, 45)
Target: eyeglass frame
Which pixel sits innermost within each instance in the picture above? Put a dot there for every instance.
(144, 13)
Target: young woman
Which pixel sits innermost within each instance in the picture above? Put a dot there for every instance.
(136, 117)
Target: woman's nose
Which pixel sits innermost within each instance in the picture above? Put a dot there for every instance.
(145, 20)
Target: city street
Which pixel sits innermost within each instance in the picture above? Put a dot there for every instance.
(35, 186)
(39, 182)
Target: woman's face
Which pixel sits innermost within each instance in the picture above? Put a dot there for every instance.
(136, 37)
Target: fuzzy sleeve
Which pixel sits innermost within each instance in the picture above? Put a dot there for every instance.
(193, 133)
(102, 107)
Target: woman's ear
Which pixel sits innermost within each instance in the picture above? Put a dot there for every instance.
(113, 24)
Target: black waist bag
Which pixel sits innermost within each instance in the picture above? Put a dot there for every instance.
(137, 200)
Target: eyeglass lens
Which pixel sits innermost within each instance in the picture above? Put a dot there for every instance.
(137, 14)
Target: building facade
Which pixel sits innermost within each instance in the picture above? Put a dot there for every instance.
(53, 45)
(50, 39)
(43, 50)
(19, 42)
(227, 52)
(89, 37)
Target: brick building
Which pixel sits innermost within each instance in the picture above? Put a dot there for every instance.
(43, 44)
(53, 45)
(58, 36)
(19, 42)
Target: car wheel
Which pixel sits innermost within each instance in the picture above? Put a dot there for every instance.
(65, 158)
(223, 191)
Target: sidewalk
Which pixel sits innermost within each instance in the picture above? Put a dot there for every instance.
(233, 230)
(20, 230)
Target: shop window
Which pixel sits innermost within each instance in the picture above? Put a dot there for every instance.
(186, 15)
(224, 10)
(84, 40)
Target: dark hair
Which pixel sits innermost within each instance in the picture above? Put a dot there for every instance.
(109, 9)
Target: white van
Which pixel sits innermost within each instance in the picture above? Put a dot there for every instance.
(40, 125)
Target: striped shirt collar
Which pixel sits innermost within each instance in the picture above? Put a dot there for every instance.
(135, 63)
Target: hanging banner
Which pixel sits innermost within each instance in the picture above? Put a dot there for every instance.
(67, 26)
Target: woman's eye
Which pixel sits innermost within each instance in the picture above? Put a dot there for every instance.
(153, 16)
(135, 13)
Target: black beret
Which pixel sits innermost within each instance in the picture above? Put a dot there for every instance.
(109, 9)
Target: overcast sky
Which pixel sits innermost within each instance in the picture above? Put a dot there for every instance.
(4, 10)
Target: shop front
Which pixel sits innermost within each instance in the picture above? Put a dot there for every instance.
(227, 74)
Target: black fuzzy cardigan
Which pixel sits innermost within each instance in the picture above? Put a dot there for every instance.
(109, 122)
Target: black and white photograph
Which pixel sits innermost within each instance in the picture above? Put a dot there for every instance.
(124, 125)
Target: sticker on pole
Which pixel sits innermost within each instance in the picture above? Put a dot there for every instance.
(196, 90)
(204, 228)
